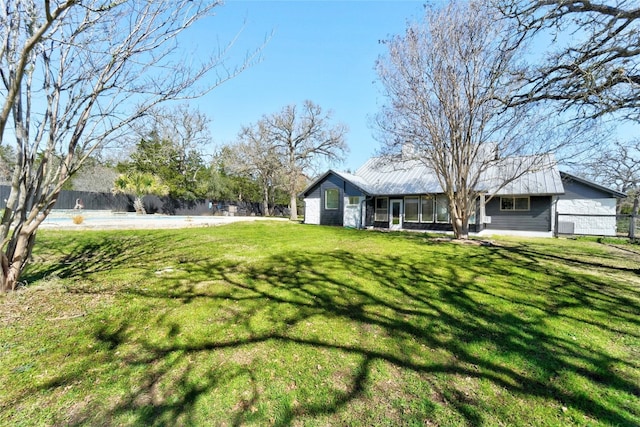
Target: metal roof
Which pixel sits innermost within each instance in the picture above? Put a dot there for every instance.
(398, 177)
(527, 175)
(356, 181)
(532, 175)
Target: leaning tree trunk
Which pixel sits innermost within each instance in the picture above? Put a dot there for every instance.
(5, 282)
(15, 259)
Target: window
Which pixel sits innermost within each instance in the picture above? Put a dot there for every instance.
(442, 208)
(472, 218)
(427, 209)
(354, 200)
(382, 209)
(331, 198)
(514, 203)
(411, 206)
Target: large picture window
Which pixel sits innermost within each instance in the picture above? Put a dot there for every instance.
(331, 198)
(382, 209)
(411, 206)
(514, 203)
(426, 214)
(442, 208)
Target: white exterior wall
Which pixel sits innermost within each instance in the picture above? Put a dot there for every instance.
(351, 216)
(312, 211)
(594, 225)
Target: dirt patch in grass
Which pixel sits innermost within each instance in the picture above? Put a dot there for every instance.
(50, 300)
(469, 242)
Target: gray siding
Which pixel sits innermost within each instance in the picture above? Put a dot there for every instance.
(578, 190)
(346, 189)
(332, 216)
(351, 190)
(313, 193)
(537, 218)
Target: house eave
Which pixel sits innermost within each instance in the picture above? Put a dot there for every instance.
(615, 193)
(340, 175)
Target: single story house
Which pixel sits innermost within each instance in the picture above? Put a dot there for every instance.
(406, 195)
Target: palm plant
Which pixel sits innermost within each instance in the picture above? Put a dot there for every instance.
(140, 184)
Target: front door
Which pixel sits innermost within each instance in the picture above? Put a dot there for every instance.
(395, 219)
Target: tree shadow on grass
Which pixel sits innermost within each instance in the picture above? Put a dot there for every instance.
(87, 257)
(434, 314)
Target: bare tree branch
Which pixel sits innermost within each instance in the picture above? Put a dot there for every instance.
(76, 75)
(444, 80)
(301, 137)
(595, 68)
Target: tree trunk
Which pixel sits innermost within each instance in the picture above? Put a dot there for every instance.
(634, 215)
(6, 284)
(138, 205)
(460, 228)
(14, 261)
(265, 202)
(293, 206)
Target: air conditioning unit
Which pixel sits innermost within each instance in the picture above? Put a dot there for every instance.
(566, 227)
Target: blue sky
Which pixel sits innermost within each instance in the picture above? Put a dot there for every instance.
(324, 51)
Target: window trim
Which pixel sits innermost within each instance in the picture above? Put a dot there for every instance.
(435, 211)
(432, 199)
(417, 198)
(375, 210)
(513, 201)
(353, 197)
(326, 199)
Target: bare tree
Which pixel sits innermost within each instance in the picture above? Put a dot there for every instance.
(302, 136)
(254, 156)
(169, 142)
(94, 176)
(595, 68)
(185, 127)
(444, 80)
(76, 75)
(618, 167)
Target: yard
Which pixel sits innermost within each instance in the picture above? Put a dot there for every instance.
(286, 324)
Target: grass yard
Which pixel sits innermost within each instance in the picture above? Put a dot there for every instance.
(285, 324)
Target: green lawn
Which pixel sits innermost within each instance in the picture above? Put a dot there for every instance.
(286, 324)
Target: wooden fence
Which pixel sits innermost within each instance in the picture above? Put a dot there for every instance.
(153, 204)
